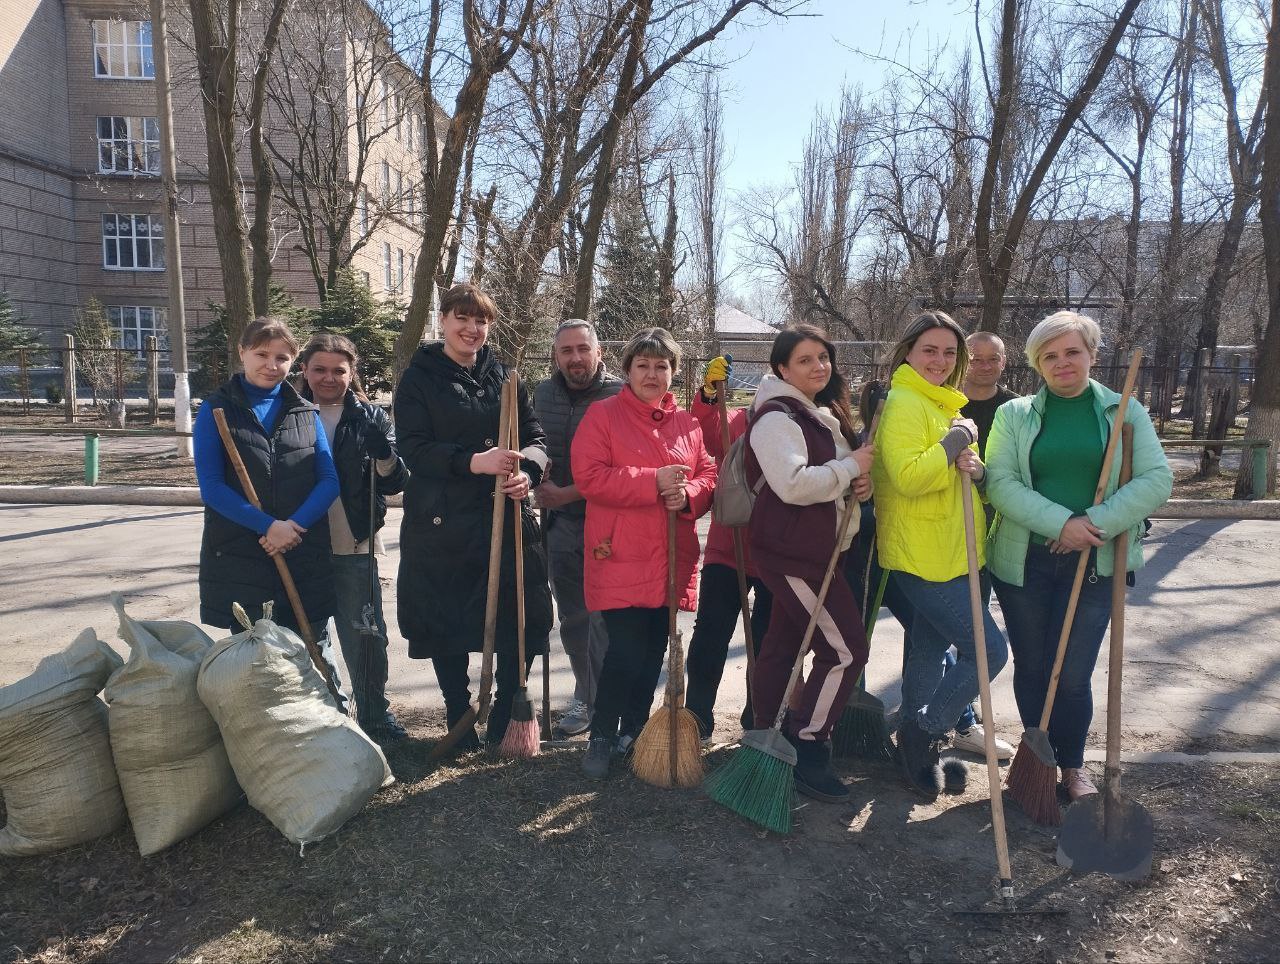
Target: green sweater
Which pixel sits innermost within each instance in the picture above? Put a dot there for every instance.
(1066, 456)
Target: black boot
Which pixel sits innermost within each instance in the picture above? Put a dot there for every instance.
(814, 776)
(918, 758)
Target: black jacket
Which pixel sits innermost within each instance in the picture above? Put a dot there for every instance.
(560, 412)
(281, 466)
(444, 415)
(351, 458)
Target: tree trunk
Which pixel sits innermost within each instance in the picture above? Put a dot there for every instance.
(667, 260)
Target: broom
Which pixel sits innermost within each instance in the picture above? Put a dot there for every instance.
(479, 712)
(862, 730)
(1033, 774)
(668, 751)
(759, 780)
(521, 739)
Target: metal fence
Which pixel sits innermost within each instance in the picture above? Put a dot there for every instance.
(69, 376)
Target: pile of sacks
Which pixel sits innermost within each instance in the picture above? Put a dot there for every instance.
(189, 727)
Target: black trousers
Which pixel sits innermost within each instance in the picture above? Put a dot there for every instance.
(632, 665)
(455, 684)
(719, 607)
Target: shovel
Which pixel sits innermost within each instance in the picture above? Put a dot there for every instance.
(367, 625)
(1104, 831)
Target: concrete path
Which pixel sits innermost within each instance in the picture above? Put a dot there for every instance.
(1202, 648)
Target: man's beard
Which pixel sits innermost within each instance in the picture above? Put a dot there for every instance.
(579, 381)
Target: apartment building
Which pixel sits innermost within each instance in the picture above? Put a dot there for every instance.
(81, 209)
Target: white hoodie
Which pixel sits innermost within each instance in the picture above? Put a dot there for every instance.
(779, 446)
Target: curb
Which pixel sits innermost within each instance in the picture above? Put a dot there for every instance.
(181, 495)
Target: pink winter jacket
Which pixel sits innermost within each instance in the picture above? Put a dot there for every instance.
(616, 454)
(720, 538)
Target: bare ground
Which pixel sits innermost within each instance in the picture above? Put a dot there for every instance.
(498, 860)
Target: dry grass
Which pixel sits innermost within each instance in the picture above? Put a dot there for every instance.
(489, 859)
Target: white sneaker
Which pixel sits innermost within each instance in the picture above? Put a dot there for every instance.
(575, 719)
(973, 739)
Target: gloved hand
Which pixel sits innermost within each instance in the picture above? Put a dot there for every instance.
(375, 440)
(718, 370)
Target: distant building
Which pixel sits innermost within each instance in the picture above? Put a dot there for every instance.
(81, 212)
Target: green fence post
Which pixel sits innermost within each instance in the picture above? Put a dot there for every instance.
(1260, 455)
(91, 459)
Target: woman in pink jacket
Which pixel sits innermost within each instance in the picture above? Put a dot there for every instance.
(635, 457)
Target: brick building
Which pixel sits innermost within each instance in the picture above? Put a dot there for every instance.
(81, 212)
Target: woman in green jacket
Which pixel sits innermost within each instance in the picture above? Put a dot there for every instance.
(1044, 456)
(925, 451)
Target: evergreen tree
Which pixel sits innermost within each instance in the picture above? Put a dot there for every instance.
(212, 348)
(630, 296)
(14, 335)
(351, 309)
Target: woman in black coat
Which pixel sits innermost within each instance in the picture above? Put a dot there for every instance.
(446, 412)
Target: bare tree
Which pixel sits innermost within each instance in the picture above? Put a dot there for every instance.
(1264, 416)
(996, 238)
(708, 198)
(219, 35)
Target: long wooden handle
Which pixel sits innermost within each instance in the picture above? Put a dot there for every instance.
(1115, 673)
(739, 554)
(291, 590)
(517, 533)
(798, 665)
(675, 668)
(1107, 459)
(495, 562)
(984, 689)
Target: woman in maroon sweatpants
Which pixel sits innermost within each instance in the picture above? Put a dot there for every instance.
(803, 442)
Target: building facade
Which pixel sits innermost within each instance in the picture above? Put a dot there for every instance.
(81, 205)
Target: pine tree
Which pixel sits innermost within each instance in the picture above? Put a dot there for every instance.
(14, 335)
(630, 297)
(351, 309)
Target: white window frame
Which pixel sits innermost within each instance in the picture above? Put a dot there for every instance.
(411, 201)
(386, 103)
(145, 233)
(399, 269)
(138, 143)
(399, 195)
(122, 50)
(386, 184)
(413, 267)
(368, 281)
(133, 323)
(386, 266)
(362, 212)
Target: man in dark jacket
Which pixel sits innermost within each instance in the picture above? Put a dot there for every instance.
(560, 402)
(358, 432)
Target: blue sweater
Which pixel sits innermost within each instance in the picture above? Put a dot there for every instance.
(211, 466)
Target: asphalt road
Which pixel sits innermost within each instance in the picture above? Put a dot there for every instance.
(1202, 656)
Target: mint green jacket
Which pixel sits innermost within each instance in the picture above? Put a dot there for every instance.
(1021, 510)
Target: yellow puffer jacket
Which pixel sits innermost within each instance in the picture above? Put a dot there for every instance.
(919, 516)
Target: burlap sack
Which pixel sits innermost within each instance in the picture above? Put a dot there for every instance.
(56, 776)
(305, 765)
(173, 769)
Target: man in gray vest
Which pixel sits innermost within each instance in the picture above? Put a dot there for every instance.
(560, 402)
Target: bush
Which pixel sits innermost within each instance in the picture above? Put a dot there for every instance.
(53, 393)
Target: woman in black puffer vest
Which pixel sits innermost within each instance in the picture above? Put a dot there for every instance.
(446, 412)
(287, 456)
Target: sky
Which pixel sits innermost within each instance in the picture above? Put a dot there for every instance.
(779, 74)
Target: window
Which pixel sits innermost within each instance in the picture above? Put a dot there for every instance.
(128, 145)
(386, 184)
(132, 242)
(411, 201)
(399, 118)
(386, 266)
(399, 269)
(399, 195)
(413, 262)
(133, 325)
(362, 211)
(408, 132)
(368, 282)
(385, 99)
(122, 48)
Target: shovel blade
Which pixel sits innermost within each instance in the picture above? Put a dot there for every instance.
(1113, 837)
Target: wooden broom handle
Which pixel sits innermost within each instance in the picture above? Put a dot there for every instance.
(1115, 670)
(984, 688)
(739, 556)
(304, 625)
(817, 608)
(517, 533)
(1103, 477)
(495, 562)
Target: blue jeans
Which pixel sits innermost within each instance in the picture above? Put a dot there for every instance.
(368, 670)
(942, 619)
(1034, 613)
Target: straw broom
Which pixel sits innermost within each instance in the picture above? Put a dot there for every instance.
(758, 782)
(521, 739)
(1033, 774)
(668, 752)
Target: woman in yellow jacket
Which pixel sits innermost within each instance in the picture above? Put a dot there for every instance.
(923, 446)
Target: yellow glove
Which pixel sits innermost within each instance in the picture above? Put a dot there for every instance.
(718, 370)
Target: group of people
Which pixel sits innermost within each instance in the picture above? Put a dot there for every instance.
(613, 462)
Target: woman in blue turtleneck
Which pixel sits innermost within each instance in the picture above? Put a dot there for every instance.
(286, 453)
